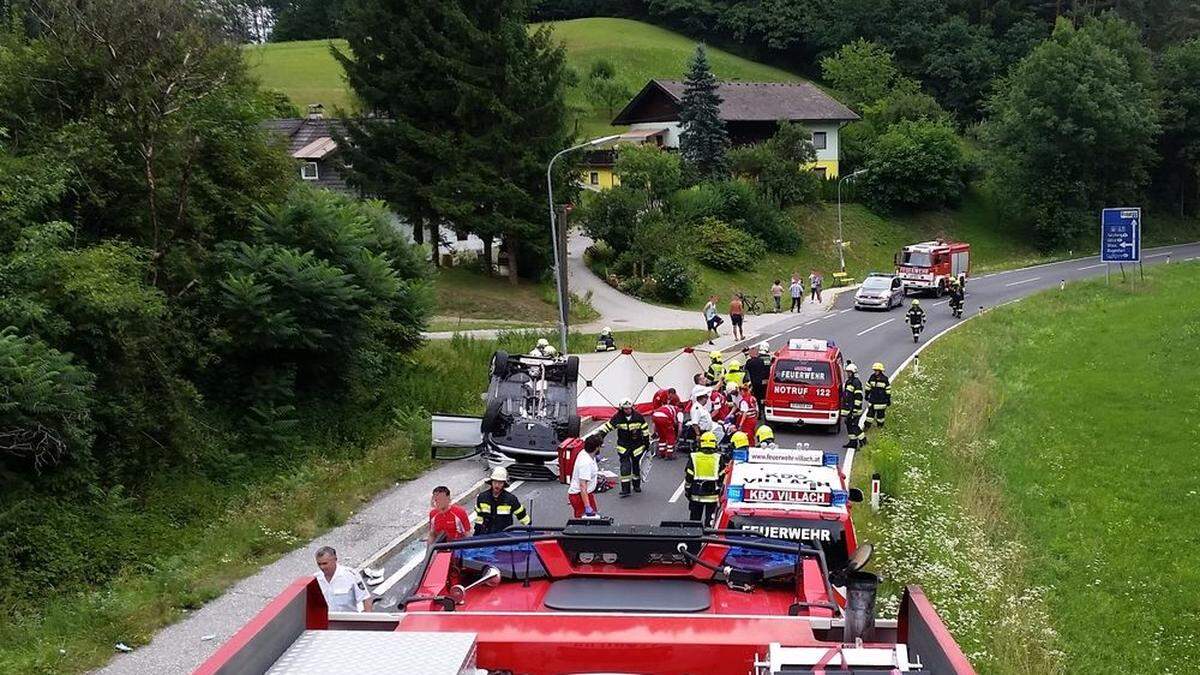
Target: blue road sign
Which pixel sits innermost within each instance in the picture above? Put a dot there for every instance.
(1121, 235)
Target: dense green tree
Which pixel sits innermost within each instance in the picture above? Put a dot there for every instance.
(861, 72)
(650, 169)
(704, 141)
(463, 107)
(306, 19)
(1072, 129)
(1179, 75)
(780, 165)
(915, 165)
(614, 215)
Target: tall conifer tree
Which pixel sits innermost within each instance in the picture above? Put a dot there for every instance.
(704, 142)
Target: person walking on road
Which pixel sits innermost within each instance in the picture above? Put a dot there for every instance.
(447, 522)
(916, 319)
(582, 488)
(633, 436)
(702, 479)
(711, 319)
(879, 395)
(852, 408)
(343, 589)
(736, 315)
(496, 507)
(797, 291)
(758, 369)
(815, 281)
(777, 295)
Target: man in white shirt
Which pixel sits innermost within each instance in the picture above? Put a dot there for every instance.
(583, 479)
(701, 416)
(343, 589)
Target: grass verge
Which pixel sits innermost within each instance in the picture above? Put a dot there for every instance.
(464, 295)
(1039, 474)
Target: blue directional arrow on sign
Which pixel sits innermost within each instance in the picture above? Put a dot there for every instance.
(1121, 235)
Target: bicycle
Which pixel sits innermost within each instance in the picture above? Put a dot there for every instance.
(751, 304)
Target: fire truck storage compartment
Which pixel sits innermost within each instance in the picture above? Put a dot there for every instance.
(676, 596)
(629, 546)
(317, 652)
(960, 262)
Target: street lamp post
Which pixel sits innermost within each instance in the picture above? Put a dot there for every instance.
(841, 242)
(559, 259)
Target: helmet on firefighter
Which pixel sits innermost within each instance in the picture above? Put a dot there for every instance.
(764, 434)
(877, 366)
(764, 346)
(740, 439)
(716, 356)
(626, 402)
(916, 302)
(542, 343)
(708, 440)
(550, 350)
(606, 331)
(499, 474)
(734, 366)
(851, 368)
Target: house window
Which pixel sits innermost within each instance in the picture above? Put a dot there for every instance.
(820, 171)
(308, 171)
(594, 178)
(820, 140)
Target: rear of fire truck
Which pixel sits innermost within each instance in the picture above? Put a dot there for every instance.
(594, 597)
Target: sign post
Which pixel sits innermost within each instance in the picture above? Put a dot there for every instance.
(1121, 237)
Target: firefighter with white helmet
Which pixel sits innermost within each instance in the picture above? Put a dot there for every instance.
(702, 479)
(496, 508)
(606, 343)
(633, 437)
(541, 348)
(852, 408)
(879, 395)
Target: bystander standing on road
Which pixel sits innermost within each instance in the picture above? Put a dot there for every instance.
(736, 314)
(777, 295)
(711, 319)
(797, 290)
(585, 473)
(447, 522)
(343, 589)
(815, 281)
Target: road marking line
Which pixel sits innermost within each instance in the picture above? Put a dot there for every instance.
(1023, 281)
(772, 337)
(678, 493)
(939, 304)
(812, 322)
(1158, 255)
(1191, 259)
(874, 327)
(848, 465)
(846, 310)
(1089, 267)
(793, 330)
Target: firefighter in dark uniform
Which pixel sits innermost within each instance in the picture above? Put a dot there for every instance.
(758, 370)
(633, 437)
(702, 479)
(497, 508)
(606, 343)
(916, 319)
(852, 408)
(716, 368)
(879, 395)
(956, 298)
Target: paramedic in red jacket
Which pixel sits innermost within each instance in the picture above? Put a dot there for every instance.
(746, 412)
(666, 426)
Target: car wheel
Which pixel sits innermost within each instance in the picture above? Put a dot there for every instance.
(572, 374)
(491, 415)
(500, 363)
(573, 426)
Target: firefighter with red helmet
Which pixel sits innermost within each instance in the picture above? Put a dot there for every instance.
(879, 395)
(702, 479)
(633, 435)
(852, 408)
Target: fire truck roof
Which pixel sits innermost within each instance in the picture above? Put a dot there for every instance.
(810, 348)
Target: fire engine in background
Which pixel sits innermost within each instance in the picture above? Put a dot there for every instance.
(929, 266)
(805, 384)
(797, 494)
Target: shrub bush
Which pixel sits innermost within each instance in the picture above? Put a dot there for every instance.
(740, 205)
(675, 279)
(723, 247)
(915, 165)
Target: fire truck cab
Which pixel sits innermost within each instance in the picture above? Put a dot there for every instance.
(805, 384)
(796, 494)
(929, 266)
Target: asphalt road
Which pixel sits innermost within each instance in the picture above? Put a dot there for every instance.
(864, 337)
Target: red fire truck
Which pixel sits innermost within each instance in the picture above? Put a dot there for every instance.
(805, 384)
(795, 494)
(930, 265)
(595, 597)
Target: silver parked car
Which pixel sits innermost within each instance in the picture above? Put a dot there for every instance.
(879, 291)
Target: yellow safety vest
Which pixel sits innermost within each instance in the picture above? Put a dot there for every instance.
(706, 465)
